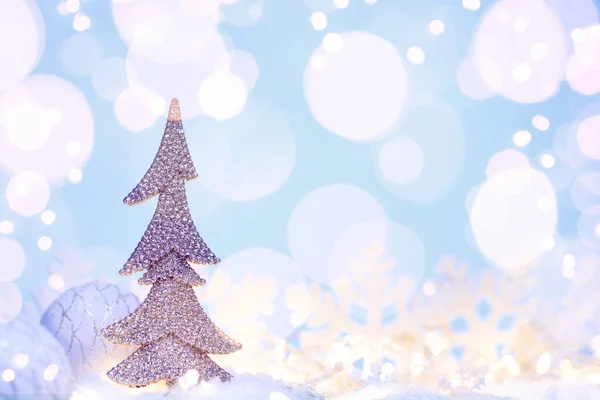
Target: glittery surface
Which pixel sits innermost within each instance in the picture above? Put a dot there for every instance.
(171, 228)
(171, 266)
(173, 158)
(171, 307)
(167, 358)
(174, 333)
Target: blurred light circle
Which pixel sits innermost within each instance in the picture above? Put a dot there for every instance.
(110, 78)
(75, 175)
(320, 218)
(164, 33)
(242, 64)
(506, 160)
(48, 217)
(27, 193)
(11, 301)
(371, 69)
(415, 55)
(179, 80)
(539, 51)
(318, 62)
(503, 52)
(436, 27)
(222, 95)
(7, 227)
(508, 225)
(588, 137)
(29, 126)
(318, 20)
(81, 54)
(44, 243)
(262, 265)
(437, 130)
(540, 122)
(72, 6)
(582, 70)
(522, 138)
(547, 160)
(401, 160)
(81, 22)
(13, 260)
(245, 157)
(333, 42)
(471, 4)
(369, 244)
(134, 108)
(22, 40)
(69, 116)
(341, 4)
(470, 81)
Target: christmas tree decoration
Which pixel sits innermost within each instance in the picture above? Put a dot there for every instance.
(76, 317)
(32, 363)
(174, 334)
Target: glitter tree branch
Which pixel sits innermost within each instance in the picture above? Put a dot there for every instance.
(174, 333)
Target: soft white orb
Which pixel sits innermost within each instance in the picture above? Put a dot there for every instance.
(547, 160)
(415, 55)
(81, 22)
(318, 20)
(368, 67)
(222, 96)
(333, 42)
(22, 40)
(13, 260)
(75, 175)
(588, 137)
(541, 123)
(7, 227)
(471, 4)
(512, 215)
(44, 243)
(436, 27)
(341, 4)
(27, 193)
(522, 138)
(48, 217)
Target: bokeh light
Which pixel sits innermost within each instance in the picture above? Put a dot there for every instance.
(69, 119)
(81, 22)
(222, 95)
(415, 55)
(136, 108)
(436, 158)
(506, 160)
(231, 157)
(27, 193)
(506, 219)
(13, 260)
(522, 138)
(22, 32)
(361, 91)
(45, 243)
(320, 218)
(81, 54)
(436, 27)
(11, 301)
(540, 123)
(242, 64)
(588, 137)
(318, 20)
(180, 80)
(582, 69)
(48, 217)
(7, 227)
(503, 47)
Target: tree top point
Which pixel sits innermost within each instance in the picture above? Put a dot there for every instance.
(174, 111)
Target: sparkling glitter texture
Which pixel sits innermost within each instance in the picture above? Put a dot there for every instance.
(173, 158)
(174, 333)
